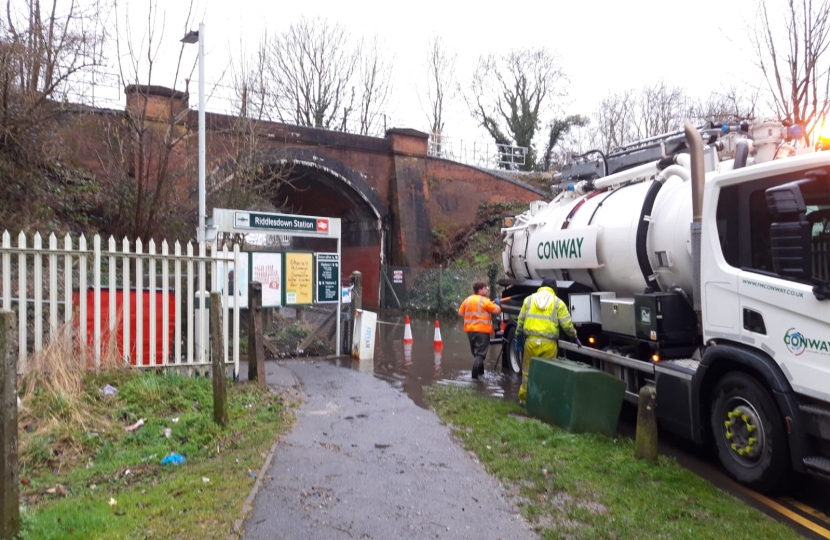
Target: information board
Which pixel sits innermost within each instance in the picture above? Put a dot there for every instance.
(299, 278)
(328, 277)
(267, 269)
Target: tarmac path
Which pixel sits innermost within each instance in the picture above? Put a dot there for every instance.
(363, 461)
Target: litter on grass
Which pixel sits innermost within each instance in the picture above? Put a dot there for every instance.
(133, 427)
(173, 459)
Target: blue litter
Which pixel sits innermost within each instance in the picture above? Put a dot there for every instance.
(173, 459)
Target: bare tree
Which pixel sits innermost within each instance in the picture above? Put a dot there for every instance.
(441, 75)
(41, 53)
(616, 120)
(511, 92)
(793, 59)
(252, 178)
(374, 78)
(146, 158)
(661, 109)
(728, 106)
(310, 74)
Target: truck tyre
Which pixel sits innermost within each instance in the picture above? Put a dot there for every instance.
(749, 432)
(511, 360)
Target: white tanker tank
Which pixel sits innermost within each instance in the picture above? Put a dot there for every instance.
(593, 238)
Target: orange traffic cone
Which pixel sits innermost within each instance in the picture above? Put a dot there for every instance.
(407, 332)
(437, 344)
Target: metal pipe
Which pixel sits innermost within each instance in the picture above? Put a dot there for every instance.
(202, 196)
(695, 143)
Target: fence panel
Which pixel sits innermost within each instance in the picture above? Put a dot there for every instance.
(124, 289)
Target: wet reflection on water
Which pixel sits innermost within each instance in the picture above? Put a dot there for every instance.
(411, 367)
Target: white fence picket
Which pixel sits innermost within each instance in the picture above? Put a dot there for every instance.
(7, 271)
(38, 290)
(53, 285)
(21, 302)
(96, 299)
(97, 319)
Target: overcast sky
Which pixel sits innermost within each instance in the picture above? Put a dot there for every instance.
(605, 46)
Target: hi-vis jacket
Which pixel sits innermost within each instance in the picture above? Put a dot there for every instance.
(476, 310)
(542, 315)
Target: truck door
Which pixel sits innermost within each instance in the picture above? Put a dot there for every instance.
(783, 264)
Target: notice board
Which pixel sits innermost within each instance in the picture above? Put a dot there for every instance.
(267, 269)
(299, 278)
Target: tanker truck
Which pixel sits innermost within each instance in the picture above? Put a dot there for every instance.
(697, 262)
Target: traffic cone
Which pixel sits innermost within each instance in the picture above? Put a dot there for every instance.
(407, 332)
(437, 344)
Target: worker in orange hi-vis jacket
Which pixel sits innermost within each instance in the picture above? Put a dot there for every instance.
(477, 310)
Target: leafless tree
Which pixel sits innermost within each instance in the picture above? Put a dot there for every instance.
(509, 94)
(146, 158)
(375, 80)
(615, 120)
(311, 74)
(792, 55)
(661, 109)
(42, 51)
(729, 106)
(250, 180)
(441, 75)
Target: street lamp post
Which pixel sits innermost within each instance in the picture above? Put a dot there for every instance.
(193, 37)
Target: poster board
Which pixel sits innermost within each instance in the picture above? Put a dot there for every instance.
(328, 277)
(267, 269)
(298, 271)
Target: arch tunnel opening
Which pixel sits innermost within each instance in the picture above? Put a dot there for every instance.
(316, 191)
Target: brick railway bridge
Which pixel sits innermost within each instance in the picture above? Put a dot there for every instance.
(389, 194)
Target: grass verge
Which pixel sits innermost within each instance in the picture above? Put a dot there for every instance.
(84, 476)
(590, 486)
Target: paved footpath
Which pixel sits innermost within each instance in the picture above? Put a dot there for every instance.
(363, 461)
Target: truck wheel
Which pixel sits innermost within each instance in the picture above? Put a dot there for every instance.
(511, 359)
(749, 434)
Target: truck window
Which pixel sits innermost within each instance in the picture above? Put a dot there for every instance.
(744, 223)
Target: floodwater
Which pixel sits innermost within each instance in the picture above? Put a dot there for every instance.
(412, 367)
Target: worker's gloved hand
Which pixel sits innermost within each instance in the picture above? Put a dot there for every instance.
(519, 343)
(578, 343)
(497, 301)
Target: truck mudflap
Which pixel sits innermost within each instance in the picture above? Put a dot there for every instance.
(769, 371)
(676, 408)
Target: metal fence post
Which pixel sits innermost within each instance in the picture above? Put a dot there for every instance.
(9, 472)
(357, 300)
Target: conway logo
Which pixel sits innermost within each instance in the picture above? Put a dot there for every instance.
(560, 249)
(797, 343)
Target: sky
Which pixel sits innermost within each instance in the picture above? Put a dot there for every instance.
(604, 46)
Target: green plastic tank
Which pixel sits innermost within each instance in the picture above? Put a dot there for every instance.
(574, 396)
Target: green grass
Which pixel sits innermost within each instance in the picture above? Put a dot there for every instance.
(86, 469)
(590, 486)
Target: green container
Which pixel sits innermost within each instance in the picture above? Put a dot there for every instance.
(574, 396)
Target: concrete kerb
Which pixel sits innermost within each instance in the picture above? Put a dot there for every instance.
(237, 531)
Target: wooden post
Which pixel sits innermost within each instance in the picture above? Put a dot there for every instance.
(9, 473)
(217, 349)
(256, 347)
(645, 445)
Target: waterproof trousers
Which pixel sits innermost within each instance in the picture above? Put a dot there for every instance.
(479, 343)
(535, 348)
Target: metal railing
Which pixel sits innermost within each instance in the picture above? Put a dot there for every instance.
(487, 155)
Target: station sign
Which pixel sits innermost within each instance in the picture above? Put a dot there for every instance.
(281, 222)
(328, 277)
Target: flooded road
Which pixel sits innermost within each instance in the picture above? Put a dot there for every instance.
(412, 367)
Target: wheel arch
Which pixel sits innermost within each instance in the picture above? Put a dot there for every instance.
(726, 357)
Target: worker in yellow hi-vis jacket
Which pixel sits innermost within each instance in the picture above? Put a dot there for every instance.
(542, 317)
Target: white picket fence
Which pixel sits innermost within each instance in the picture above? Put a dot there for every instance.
(133, 279)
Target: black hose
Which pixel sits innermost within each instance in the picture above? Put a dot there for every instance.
(642, 236)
